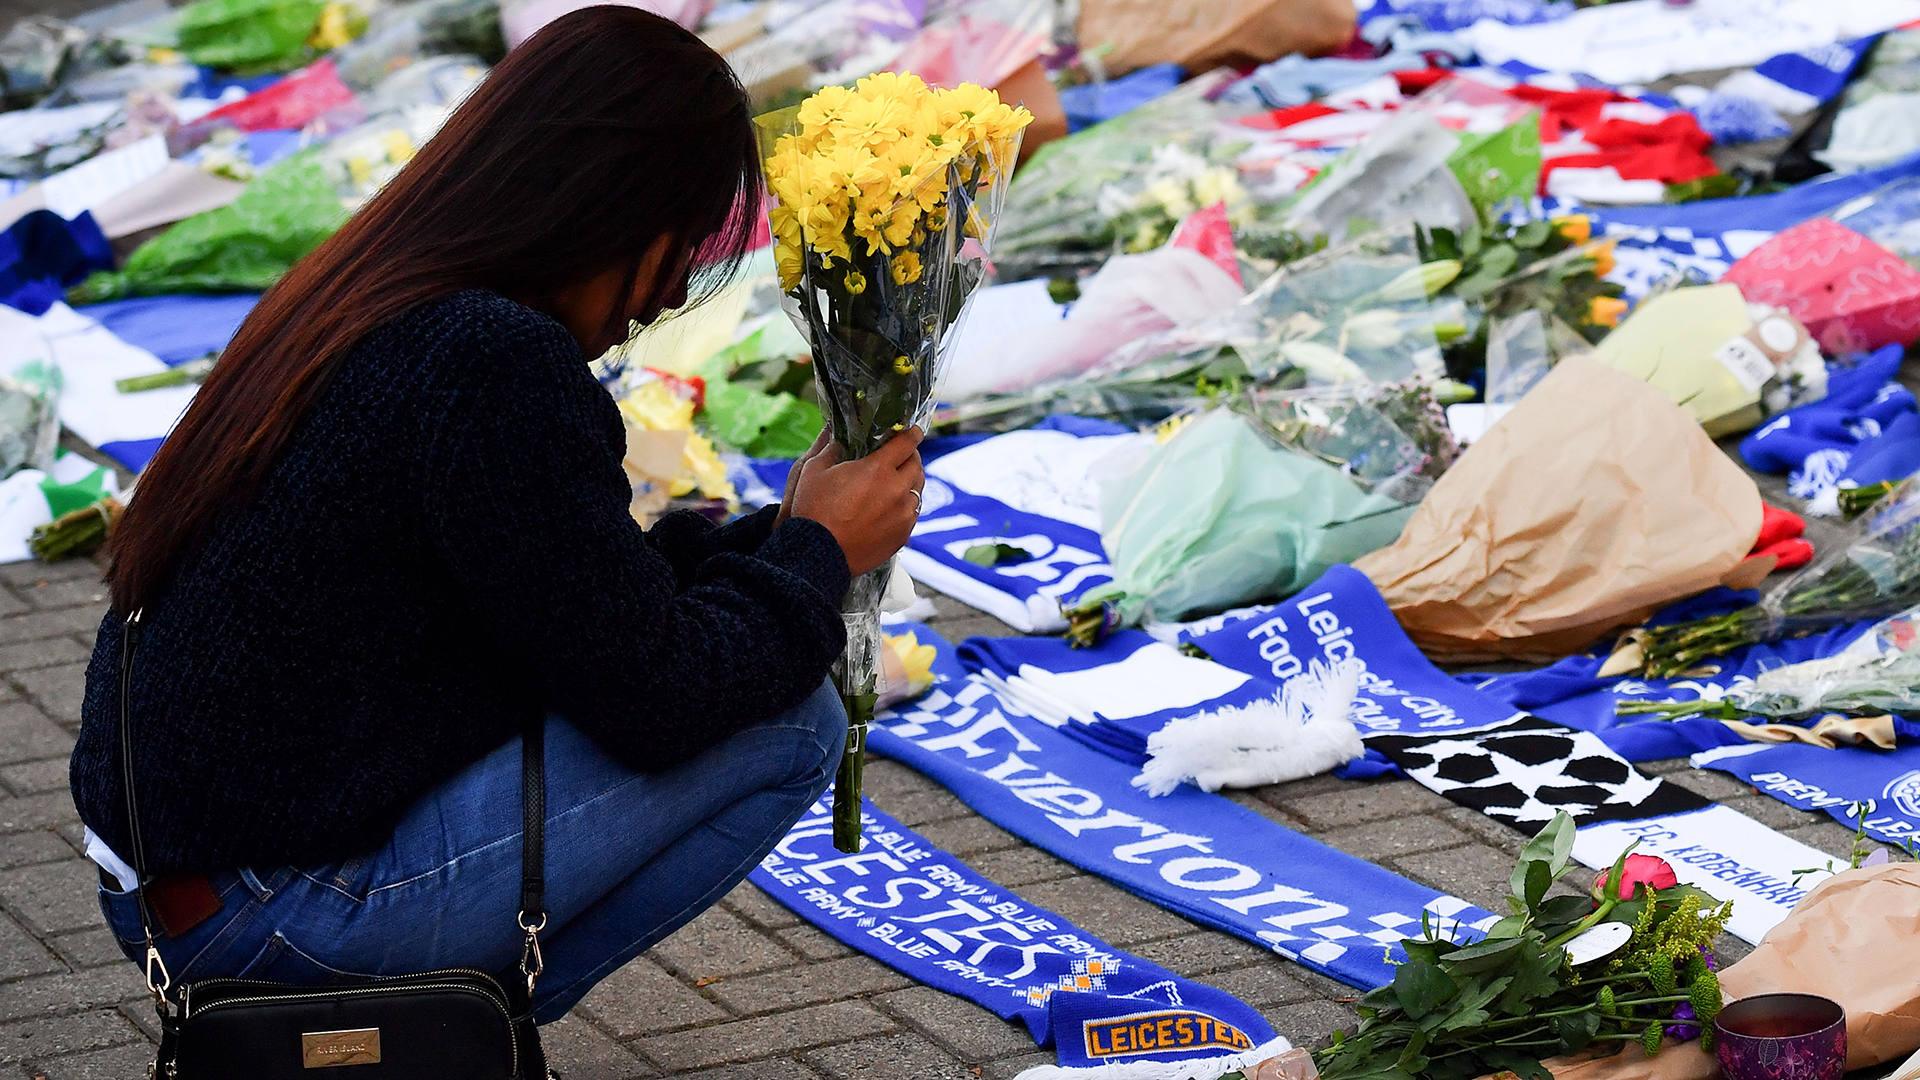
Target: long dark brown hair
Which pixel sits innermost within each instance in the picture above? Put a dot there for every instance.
(606, 130)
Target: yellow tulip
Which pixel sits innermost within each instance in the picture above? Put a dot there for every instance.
(1606, 310)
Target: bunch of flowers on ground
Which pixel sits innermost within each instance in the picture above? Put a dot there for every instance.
(1519, 995)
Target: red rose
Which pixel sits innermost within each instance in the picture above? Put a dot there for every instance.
(1640, 870)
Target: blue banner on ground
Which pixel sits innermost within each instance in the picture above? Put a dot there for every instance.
(1845, 783)
(1195, 853)
(922, 912)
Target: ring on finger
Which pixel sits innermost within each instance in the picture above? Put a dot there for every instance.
(915, 492)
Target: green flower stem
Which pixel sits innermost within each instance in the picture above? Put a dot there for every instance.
(1599, 915)
(1575, 1010)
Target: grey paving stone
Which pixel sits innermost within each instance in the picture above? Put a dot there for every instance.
(1829, 836)
(1275, 814)
(1368, 800)
(716, 944)
(11, 604)
(28, 848)
(770, 1069)
(808, 984)
(53, 898)
(1489, 831)
(34, 777)
(1196, 954)
(71, 592)
(38, 812)
(21, 955)
(966, 1030)
(26, 734)
(813, 944)
(1117, 916)
(765, 1036)
(46, 624)
(1402, 835)
(1664, 766)
(1020, 866)
(1717, 786)
(53, 1036)
(1475, 873)
(576, 1050)
(641, 999)
(57, 690)
(113, 1063)
(752, 902)
(1312, 1023)
(915, 808)
(31, 573)
(48, 995)
(1263, 986)
(882, 778)
(1008, 1068)
(969, 836)
(1306, 785)
(1771, 812)
(45, 652)
(898, 1057)
(89, 948)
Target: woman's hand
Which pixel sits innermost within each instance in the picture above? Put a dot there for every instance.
(793, 475)
(869, 505)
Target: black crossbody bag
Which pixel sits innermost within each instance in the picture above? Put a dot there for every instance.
(456, 1024)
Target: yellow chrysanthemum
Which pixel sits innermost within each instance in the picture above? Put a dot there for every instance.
(905, 267)
(820, 110)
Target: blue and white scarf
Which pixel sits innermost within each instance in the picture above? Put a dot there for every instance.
(1846, 783)
(1032, 492)
(1197, 854)
(924, 913)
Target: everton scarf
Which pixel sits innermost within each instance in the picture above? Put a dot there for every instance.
(922, 912)
(1194, 853)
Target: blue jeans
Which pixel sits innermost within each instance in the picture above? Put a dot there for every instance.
(631, 858)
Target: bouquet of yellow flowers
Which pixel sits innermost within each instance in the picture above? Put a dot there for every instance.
(886, 197)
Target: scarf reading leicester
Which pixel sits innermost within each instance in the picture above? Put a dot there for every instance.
(922, 912)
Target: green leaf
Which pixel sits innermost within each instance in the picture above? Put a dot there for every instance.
(996, 554)
(1565, 909)
(1535, 968)
(1522, 1065)
(1575, 1032)
(1498, 260)
(1532, 234)
(1509, 927)
(1553, 844)
(1483, 956)
(1469, 241)
(1470, 1008)
(1422, 988)
(1539, 880)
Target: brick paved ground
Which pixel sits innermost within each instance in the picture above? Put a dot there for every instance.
(746, 990)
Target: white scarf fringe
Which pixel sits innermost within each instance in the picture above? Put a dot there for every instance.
(1304, 730)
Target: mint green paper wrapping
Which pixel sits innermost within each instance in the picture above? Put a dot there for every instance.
(1218, 517)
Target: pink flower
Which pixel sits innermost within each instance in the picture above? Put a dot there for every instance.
(1648, 870)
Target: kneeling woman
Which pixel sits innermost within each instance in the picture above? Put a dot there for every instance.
(393, 527)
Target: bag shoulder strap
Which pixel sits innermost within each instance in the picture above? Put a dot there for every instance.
(533, 802)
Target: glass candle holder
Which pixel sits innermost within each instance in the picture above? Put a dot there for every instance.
(1781, 1037)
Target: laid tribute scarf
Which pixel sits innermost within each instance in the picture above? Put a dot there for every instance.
(1197, 854)
(922, 912)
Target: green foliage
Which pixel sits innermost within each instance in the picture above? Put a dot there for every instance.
(995, 554)
(1505, 1002)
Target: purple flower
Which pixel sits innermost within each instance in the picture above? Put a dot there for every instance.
(1712, 964)
(1683, 1032)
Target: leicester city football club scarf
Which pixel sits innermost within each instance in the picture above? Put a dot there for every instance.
(924, 913)
(1846, 783)
(1195, 853)
(1011, 524)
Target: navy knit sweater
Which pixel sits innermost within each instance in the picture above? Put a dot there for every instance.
(443, 549)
